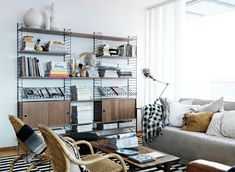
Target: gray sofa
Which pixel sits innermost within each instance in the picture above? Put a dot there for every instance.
(193, 145)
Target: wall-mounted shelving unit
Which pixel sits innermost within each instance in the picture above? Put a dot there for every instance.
(54, 112)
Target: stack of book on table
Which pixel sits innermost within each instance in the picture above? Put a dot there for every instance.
(128, 140)
(57, 70)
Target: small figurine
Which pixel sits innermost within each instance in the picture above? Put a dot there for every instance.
(38, 47)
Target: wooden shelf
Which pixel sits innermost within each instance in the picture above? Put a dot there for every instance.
(38, 77)
(82, 35)
(115, 38)
(43, 53)
(77, 34)
(79, 101)
(44, 31)
(116, 57)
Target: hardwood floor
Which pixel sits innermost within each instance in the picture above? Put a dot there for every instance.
(8, 151)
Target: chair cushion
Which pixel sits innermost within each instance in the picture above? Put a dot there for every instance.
(103, 165)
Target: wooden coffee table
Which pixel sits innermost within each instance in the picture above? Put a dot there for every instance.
(165, 161)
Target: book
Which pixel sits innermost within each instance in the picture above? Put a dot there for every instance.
(119, 90)
(141, 158)
(56, 66)
(155, 155)
(55, 92)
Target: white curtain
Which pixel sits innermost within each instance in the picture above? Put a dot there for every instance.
(163, 48)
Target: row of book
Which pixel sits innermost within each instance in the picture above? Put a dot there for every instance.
(114, 91)
(30, 66)
(42, 92)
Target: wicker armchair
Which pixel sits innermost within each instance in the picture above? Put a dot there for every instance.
(23, 149)
(62, 158)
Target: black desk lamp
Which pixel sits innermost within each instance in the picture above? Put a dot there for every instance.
(147, 74)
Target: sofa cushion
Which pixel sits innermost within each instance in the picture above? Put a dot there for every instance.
(214, 128)
(227, 105)
(197, 122)
(227, 124)
(195, 145)
(214, 106)
(175, 111)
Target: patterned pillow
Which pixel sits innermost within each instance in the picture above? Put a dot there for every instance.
(197, 122)
(74, 167)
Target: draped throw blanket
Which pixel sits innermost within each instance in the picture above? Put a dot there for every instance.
(153, 122)
(32, 140)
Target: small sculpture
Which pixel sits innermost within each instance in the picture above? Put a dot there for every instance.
(38, 47)
(53, 18)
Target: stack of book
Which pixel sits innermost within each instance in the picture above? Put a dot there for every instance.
(82, 128)
(82, 114)
(124, 71)
(127, 50)
(81, 92)
(103, 50)
(107, 126)
(111, 73)
(56, 46)
(57, 70)
(30, 66)
(128, 140)
(28, 44)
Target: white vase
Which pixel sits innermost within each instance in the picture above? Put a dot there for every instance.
(33, 18)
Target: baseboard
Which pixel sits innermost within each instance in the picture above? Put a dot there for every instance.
(9, 148)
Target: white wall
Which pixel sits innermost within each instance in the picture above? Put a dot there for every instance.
(120, 18)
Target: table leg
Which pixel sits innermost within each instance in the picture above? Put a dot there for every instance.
(167, 167)
(131, 168)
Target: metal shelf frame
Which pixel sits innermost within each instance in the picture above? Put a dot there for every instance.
(67, 34)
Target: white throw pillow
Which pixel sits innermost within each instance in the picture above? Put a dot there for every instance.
(214, 128)
(175, 112)
(74, 167)
(214, 106)
(227, 124)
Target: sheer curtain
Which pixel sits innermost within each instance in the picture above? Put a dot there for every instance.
(163, 48)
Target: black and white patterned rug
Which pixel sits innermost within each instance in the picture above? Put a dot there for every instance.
(21, 166)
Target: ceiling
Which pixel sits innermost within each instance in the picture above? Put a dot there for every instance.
(209, 7)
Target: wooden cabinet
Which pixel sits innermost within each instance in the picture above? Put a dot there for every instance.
(109, 110)
(52, 113)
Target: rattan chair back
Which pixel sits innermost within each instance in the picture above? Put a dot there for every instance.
(17, 124)
(56, 148)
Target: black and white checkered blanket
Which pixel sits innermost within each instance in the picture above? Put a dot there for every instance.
(153, 121)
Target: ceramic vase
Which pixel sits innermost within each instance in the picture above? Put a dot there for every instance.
(33, 18)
